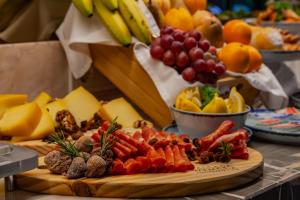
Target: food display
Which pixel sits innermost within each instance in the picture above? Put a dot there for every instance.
(189, 54)
(279, 11)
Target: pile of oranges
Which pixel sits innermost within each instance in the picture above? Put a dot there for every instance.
(238, 55)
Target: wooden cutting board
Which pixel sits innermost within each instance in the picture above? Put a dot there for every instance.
(212, 177)
(42, 148)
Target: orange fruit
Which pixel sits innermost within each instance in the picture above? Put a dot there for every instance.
(255, 59)
(235, 57)
(179, 18)
(237, 31)
(194, 5)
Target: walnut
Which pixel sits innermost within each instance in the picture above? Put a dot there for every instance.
(140, 124)
(66, 121)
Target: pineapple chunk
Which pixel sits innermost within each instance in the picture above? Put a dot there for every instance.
(42, 99)
(20, 120)
(44, 128)
(10, 100)
(120, 108)
(54, 107)
(82, 104)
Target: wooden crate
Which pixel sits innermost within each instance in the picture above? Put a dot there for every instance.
(118, 64)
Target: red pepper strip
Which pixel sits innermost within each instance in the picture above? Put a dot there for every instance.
(240, 154)
(124, 149)
(148, 133)
(161, 152)
(139, 145)
(223, 129)
(240, 134)
(156, 160)
(119, 153)
(169, 159)
(189, 165)
(105, 125)
(137, 135)
(178, 160)
(161, 144)
(163, 134)
(146, 163)
(133, 166)
(117, 167)
(133, 149)
(96, 137)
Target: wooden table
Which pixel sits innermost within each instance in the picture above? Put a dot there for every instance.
(281, 179)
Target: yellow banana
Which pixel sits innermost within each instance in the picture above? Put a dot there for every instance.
(111, 4)
(84, 6)
(135, 20)
(114, 23)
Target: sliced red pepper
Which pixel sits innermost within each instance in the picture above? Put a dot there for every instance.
(146, 163)
(117, 167)
(240, 134)
(133, 166)
(119, 154)
(156, 160)
(223, 129)
(180, 165)
(188, 164)
(169, 159)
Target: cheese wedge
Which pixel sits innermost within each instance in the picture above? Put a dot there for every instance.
(82, 104)
(54, 107)
(44, 128)
(10, 100)
(42, 99)
(120, 108)
(20, 120)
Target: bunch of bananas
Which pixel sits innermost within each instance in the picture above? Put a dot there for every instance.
(121, 17)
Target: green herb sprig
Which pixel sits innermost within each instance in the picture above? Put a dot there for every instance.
(225, 148)
(107, 142)
(66, 146)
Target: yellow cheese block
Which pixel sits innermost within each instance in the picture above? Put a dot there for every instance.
(44, 128)
(42, 99)
(82, 104)
(54, 107)
(10, 100)
(20, 120)
(120, 108)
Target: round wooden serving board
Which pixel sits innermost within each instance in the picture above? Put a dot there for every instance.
(42, 148)
(205, 178)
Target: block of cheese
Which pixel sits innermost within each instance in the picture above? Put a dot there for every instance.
(20, 120)
(44, 128)
(42, 99)
(10, 100)
(120, 108)
(54, 107)
(82, 104)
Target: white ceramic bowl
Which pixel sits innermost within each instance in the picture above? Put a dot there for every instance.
(201, 124)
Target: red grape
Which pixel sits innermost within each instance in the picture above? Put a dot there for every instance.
(195, 53)
(156, 41)
(182, 60)
(168, 58)
(207, 56)
(166, 30)
(189, 43)
(157, 51)
(201, 77)
(179, 36)
(177, 47)
(188, 74)
(210, 65)
(166, 41)
(199, 65)
(220, 69)
(212, 50)
(204, 45)
(195, 34)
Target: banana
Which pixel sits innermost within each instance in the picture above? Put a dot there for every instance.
(111, 4)
(84, 6)
(114, 23)
(135, 20)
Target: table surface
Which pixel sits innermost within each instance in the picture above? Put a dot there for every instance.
(282, 165)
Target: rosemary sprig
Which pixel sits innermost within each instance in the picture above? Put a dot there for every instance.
(107, 139)
(66, 146)
(225, 148)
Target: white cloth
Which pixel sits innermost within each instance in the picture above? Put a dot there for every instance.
(77, 31)
(264, 80)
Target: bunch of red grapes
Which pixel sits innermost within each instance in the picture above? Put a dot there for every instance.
(189, 54)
